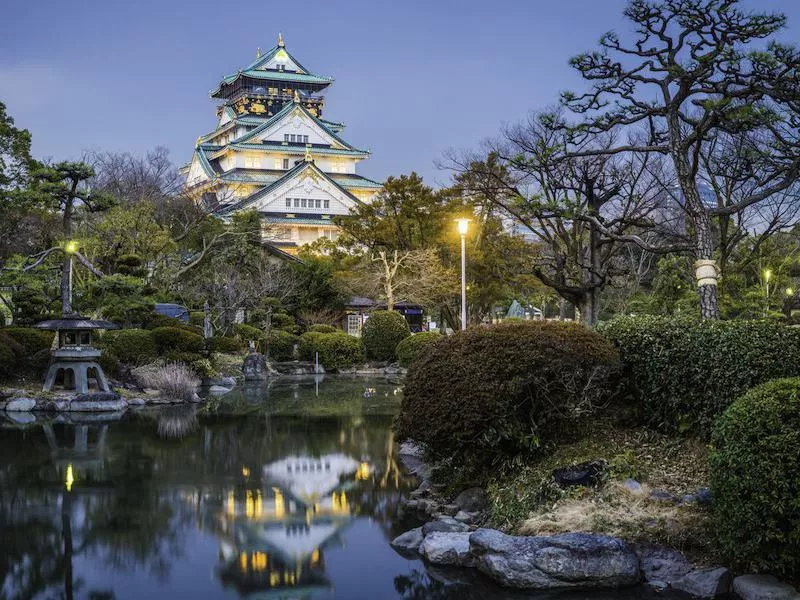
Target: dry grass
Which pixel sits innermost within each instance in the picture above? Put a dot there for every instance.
(175, 381)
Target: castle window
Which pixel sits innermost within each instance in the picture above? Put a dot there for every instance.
(285, 137)
(305, 139)
(285, 163)
(303, 203)
(297, 202)
(317, 203)
(288, 203)
(327, 203)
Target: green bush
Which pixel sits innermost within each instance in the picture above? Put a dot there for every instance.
(173, 339)
(10, 353)
(755, 479)
(197, 318)
(495, 391)
(281, 345)
(336, 350)
(109, 363)
(221, 343)
(411, 347)
(308, 345)
(319, 328)
(247, 333)
(685, 373)
(339, 350)
(31, 340)
(130, 346)
(382, 332)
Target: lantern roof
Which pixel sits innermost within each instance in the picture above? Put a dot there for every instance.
(75, 322)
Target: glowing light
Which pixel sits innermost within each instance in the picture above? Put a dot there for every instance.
(789, 291)
(767, 274)
(71, 247)
(363, 472)
(463, 226)
(315, 556)
(231, 508)
(243, 561)
(280, 505)
(245, 472)
(70, 478)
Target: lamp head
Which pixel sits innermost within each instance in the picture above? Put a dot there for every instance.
(767, 274)
(463, 225)
(71, 247)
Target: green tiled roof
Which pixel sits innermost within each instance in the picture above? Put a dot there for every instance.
(297, 149)
(267, 176)
(298, 220)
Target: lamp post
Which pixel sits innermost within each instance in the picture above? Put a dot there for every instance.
(767, 277)
(463, 227)
(71, 247)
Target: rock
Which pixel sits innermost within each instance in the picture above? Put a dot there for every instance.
(136, 401)
(572, 560)
(472, 500)
(20, 405)
(57, 405)
(466, 517)
(449, 509)
(704, 496)
(97, 405)
(226, 382)
(705, 583)
(763, 587)
(447, 548)
(254, 367)
(583, 474)
(661, 566)
(408, 541)
(411, 448)
(688, 500)
(413, 504)
(444, 524)
(633, 486)
(662, 496)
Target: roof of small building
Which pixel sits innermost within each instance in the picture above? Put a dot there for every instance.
(75, 322)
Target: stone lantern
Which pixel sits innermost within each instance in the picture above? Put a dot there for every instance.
(75, 358)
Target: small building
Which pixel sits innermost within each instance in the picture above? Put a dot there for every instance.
(357, 312)
(74, 363)
(175, 311)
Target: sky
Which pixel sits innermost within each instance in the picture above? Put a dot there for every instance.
(413, 78)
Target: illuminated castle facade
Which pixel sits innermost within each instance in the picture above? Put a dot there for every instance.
(273, 152)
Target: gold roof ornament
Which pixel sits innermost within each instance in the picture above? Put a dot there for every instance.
(199, 139)
(296, 97)
(280, 41)
(258, 52)
(308, 155)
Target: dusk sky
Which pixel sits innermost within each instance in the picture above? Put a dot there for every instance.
(412, 78)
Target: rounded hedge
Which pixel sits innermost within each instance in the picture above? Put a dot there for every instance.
(281, 345)
(382, 332)
(755, 478)
(10, 353)
(685, 373)
(411, 347)
(173, 339)
(130, 346)
(336, 350)
(500, 389)
(248, 333)
(221, 343)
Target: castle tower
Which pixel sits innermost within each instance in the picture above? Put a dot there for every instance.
(273, 152)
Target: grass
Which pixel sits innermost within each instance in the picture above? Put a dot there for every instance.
(526, 500)
(175, 381)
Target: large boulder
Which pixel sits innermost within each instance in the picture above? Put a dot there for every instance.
(409, 541)
(451, 548)
(763, 587)
(97, 402)
(20, 405)
(445, 524)
(661, 566)
(255, 367)
(571, 560)
(472, 500)
(705, 583)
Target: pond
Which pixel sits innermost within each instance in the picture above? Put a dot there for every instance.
(288, 490)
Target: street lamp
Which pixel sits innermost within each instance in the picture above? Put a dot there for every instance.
(463, 227)
(767, 277)
(71, 247)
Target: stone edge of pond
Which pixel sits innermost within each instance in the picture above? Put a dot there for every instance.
(577, 561)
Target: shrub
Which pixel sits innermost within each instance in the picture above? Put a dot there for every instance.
(411, 347)
(755, 478)
(319, 328)
(339, 350)
(197, 318)
(10, 352)
(336, 350)
(247, 333)
(494, 391)
(109, 363)
(131, 346)
(685, 373)
(31, 340)
(382, 332)
(308, 345)
(175, 380)
(281, 345)
(221, 343)
(174, 339)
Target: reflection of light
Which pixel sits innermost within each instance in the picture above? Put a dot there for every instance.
(249, 505)
(70, 479)
(259, 504)
(280, 507)
(274, 579)
(315, 557)
(363, 472)
(243, 561)
(339, 503)
(231, 505)
(245, 472)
